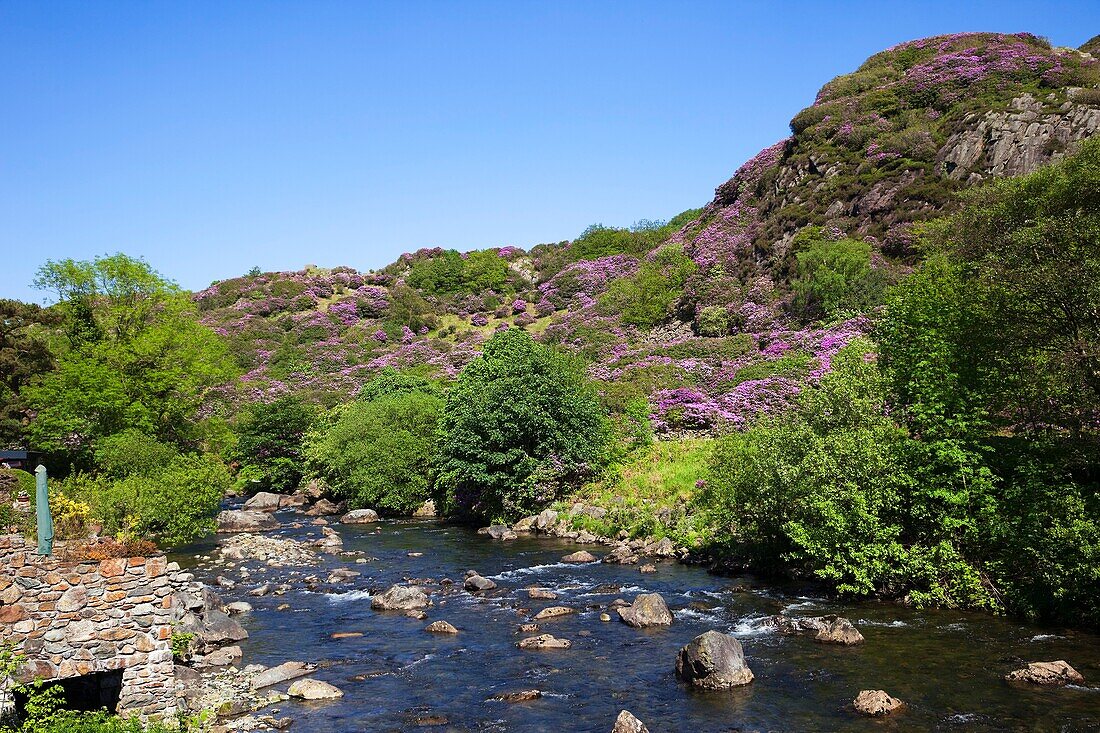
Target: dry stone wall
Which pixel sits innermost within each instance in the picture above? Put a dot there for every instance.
(71, 619)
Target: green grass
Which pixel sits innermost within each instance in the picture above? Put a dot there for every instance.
(649, 493)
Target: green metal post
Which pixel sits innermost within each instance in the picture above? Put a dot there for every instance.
(42, 511)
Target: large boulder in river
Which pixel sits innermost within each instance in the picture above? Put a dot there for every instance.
(543, 641)
(876, 703)
(648, 609)
(311, 689)
(713, 661)
(1051, 674)
(246, 520)
(359, 516)
(501, 532)
(582, 556)
(425, 510)
(400, 598)
(627, 723)
(264, 501)
(476, 584)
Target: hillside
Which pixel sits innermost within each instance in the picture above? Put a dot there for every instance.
(712, 317)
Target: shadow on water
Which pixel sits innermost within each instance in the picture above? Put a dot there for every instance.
(948, 666)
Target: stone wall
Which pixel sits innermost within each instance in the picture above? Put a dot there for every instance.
(78, 618)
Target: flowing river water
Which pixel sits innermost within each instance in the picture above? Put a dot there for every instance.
(947, 666)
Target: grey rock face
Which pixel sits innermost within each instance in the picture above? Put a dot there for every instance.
(359, 516)
(264, 501)
(243, 520)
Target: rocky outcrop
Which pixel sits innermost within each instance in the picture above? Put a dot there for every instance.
(713, 661)
(246, 520)
(323, 508)
(476, 584)
(501, 532)
(648, 609)
(876, 703)
(1026, 136)
(627, 723)
(1049, 674)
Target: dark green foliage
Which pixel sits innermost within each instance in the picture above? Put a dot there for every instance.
(269, 444)
(24, 354)
(521, 425)
(378, 452)
(393, 382)
(408, 308)
(451, 272)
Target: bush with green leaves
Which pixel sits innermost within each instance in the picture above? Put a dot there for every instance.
(652, 295)
(520, 426)
(834, 278)
(378, 452)
(269, 444)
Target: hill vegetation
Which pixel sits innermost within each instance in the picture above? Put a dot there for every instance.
(873, 359)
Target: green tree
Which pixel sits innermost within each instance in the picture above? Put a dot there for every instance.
(24, 354)
(378, 452)
(520, 425)
(269, 444)
(834, 278)
(651, 295)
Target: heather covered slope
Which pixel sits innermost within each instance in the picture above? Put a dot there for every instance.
(713, 317)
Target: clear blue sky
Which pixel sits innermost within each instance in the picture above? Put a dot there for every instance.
(209, 137)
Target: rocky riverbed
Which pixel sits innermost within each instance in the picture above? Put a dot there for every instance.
(400, 625)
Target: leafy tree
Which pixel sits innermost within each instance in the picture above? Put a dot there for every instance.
(24, 354)
(521, 424)
(834, 277)
(378, 452)
(140, 361)
(269, 443)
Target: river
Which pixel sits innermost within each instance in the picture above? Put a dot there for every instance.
(947, 666)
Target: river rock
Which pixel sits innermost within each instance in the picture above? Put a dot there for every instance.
(713, 661)
(282, 673)
(400, 598)
(627, 723)
(525, 525)
(647, 569)
(292, 501)
(521, 696)
(425, 510)
(621, 555)
(663, 548)
(543, 641)
(218, 628)
(323, 508)
(223, 657)
(1051, 674)
(241, 520)
(541, 594)
(476, 584)
(553, 612)
(824, 629)
(440, 627)
(546, 520)
(605, 617)
(648, 609)
(875, 703)
(311, 689)
(359, 516)
(238, 608)
(581, 556)
(502, 532)
(264, 501)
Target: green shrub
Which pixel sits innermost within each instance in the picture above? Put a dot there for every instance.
(378, 453)
(712, 320)
(269, 444)
(650, 296)
(521, 425)
(834, 278)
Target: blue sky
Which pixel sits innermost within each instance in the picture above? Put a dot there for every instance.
(211, 137)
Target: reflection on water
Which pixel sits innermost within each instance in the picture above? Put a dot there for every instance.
(946, 665)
